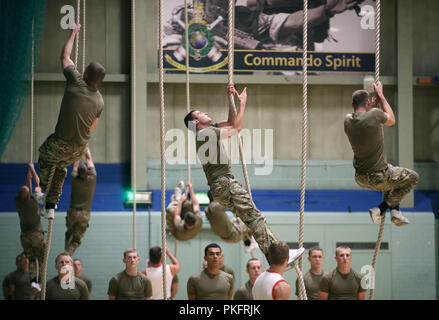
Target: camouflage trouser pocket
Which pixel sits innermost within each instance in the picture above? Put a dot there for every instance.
(77, 224)
(394, 182)
(230, 194)
(59, 154)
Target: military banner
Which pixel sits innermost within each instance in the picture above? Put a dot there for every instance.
(268, 36)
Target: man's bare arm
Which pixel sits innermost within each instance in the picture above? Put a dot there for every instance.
(387, 109)
(179, 206)
(67, 49)
(175, 267)
(233, 128)
(195, 204)
(94, 124)
(282, 291)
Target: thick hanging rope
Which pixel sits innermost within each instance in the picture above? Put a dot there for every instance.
(133, 115)
(83, 36)
(302, 291)
(162, 144)
(377, 78)
(230, 43)
(49, 239)
(31, 121)
(78, 9)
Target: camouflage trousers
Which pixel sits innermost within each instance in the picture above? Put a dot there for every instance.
(34, 245)
(56, 153)
(236, 229)
(76, 223)
(230, 194)
(394, 182)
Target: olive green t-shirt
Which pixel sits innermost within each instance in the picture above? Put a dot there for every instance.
(228, 270)
(22, 282)
(87, 281)
(125, 287)
(219, 221)
(83, 190)
(342, 286)
(244, 292)
(28, 212)
(206, 286)
(80, 106)
(183, 234)
(212, 154)
(54, 291)
(366, 135)
(312, 285)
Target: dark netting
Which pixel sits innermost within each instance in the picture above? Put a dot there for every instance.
(16, 33)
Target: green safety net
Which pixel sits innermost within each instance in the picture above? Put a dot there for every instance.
(17, 18)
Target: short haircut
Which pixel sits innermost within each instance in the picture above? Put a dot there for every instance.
(130, 250)
(189, 218)
(95, 72)
(342, 246)
(155, 255)
(82, 171)
(359, 98)
(62, 254)
(23, 192)
(211, 245)
(189, 117)
(250, 260)
(314, 248)
(19, 257)
(278, 252)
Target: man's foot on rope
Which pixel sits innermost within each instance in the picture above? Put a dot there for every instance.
(375, 214)
(178, 191)
(250, 245)
(397, 218)
(294, 255)
(47, 213)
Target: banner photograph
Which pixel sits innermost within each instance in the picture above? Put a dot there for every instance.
(268, 36)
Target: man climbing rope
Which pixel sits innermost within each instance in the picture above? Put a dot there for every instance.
(81, 108)
(364, 128)
(32, 237)
(223, 186)
(230, 231)
(78, 215)
(183, 217)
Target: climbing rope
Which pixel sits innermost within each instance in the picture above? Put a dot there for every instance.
(133, 115)
(230, 43)
(377, 78)
(83, 36)
(162, 144)
(49, 239)
(302, 291)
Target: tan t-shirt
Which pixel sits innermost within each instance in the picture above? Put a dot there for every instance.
(212, 154)
(80, 106)
(342, 286)
(54, 291)
(22, 282)
(28, 212)
(312, 285)
(83, 190)
(87, 281)
(244, 292)
(366, 135)
(219, 221)
(206, 286)
(125, 287)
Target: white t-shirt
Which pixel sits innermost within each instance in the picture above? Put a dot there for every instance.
(263, 289)
(155, 275)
